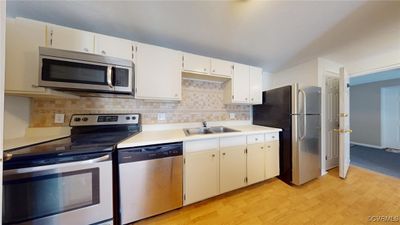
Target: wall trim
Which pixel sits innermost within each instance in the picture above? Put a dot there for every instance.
(367, 145)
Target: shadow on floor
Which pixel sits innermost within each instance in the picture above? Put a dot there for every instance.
(376, 159)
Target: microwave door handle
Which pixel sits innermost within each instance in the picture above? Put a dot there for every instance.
(55, 166)
(109, 77)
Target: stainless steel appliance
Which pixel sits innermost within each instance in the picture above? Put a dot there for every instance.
(297, 111)
(150, 180)
(62, 69)
(68, 180)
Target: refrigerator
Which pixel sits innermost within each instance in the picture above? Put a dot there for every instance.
(298, 113)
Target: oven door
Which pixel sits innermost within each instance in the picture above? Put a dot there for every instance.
(78, 193)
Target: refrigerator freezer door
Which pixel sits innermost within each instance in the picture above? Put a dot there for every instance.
(309, 100)
(306, 148)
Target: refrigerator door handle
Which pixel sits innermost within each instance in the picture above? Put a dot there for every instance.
(304, 133)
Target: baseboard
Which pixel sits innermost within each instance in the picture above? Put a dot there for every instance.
(366, 145)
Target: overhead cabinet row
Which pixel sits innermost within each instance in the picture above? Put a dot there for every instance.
(158, 70)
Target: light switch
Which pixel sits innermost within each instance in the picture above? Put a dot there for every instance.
(59, 118)
(161, 116)
(232, 116)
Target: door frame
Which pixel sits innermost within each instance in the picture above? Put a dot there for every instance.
(2, 77)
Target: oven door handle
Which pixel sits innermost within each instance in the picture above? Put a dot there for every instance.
(109, 77)
(55, 166)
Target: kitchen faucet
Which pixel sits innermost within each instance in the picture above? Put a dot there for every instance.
(204, 124)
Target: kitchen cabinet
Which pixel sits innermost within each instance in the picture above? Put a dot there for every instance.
(201, 170)
(221, 67)
(158, 73)
(255, 158)
(237, 90)
(271, 159)
(112, 46)
(255, 85)
(70, 39)
(22, 59)
(195, 63)
(232, 163)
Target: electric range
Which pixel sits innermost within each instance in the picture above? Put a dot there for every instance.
(68, 180)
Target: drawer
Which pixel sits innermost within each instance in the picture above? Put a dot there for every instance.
(201, 145)
(232, 141)
(271, 136)
(255, 139)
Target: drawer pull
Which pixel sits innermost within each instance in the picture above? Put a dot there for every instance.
(256, 139)
(223, 153)
(213, 155)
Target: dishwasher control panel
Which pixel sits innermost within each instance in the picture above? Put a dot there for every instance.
(149, 152)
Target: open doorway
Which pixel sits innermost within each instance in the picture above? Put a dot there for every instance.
(375, 121)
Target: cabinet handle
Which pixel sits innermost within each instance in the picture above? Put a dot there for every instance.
(213, 71)
(252, 99)
(176, 95)
(256, 139)
(205, 69)
(213, 155)
(269, 146)
(86, 49)
(246, 99)
(273, 136)
(262, 147)
(223, 153)
(103, 52)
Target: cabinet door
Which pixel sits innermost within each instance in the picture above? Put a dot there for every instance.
(22, 53)
(271, 159)
(240, 85)
(158, 73)
(232, 163)
(201, 175)
(112, 46)
(70, 39)
(196, 63)
(255, 163)
(255, 85)
(221, 67)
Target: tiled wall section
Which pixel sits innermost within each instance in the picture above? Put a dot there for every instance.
(201, 100)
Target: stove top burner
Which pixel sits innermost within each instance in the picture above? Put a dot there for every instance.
(91, 134)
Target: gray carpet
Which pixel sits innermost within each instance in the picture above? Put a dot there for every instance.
(376, 159)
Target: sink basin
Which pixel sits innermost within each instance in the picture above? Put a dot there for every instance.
(208, 130)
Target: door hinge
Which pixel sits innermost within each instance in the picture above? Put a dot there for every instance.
(233, 97)
(326, 157)
(245, 151)
(51, 38)
(136, 48)
(184, 160)
(184, 197)
(233, 67)
(245, 179)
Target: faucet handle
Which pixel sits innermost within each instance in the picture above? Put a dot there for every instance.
(204, 124)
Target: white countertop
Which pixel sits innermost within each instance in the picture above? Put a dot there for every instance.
(177, 135)
(37, 135)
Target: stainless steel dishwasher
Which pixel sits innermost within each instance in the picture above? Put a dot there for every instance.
(150, 180)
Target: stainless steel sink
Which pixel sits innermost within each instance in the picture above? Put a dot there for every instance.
(208, 130)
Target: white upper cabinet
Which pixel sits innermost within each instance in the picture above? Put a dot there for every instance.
(221, 67)
(158, 73)
(255, 85)
(112, 46)
(237, 89)
(196, 63)
(70, 39)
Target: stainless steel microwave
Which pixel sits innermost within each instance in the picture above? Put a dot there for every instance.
(70, 70)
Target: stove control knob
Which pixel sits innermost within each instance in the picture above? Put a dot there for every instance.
(84, 119)
(77, 119)
(133, 117)
(127, 118)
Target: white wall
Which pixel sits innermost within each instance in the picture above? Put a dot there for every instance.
(16, 116)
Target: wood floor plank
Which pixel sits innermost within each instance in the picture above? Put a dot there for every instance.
(327, 200)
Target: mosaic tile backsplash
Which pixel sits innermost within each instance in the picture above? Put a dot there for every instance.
(201, 100)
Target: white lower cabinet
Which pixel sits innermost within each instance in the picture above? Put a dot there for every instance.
(232, 163)
(201, 170)
(271, 159)
(220, 165)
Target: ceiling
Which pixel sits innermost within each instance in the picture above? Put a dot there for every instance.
(270, 34)
(375, 77)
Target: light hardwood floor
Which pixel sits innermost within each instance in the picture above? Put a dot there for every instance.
(327, 200)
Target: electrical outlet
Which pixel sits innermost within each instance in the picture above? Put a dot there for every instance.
(59, 118)
(161, 116)
(232, 116)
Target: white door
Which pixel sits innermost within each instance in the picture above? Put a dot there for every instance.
(241, 83)
(332, 121)
(255, 163)
(158, 73)
(390, 113)
(344, 124)
(2, 64)
(70, 39)
(271, 159)
(255, 85)
(112, 46)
